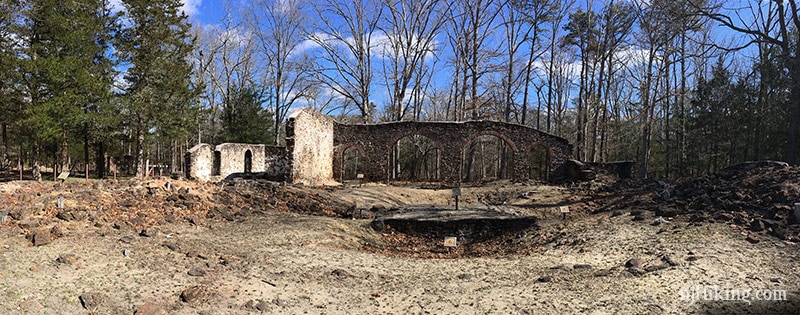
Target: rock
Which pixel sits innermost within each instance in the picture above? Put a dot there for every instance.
(150, 308)
(656, 267)
(67, 259)
(659, 221)
(149, 232)
(602, 273)
(172, 246)
(197, 272)
(757, 225)
(635, 271)
(692, 258)
(249, 305)
(668, 259)
(654, 309)
(561, 267)
(582, 266)
(279, 302)
(545, 279)
(465, 276)
(752, 239)
(633, 263)
(92, 300)
(193, 293)
(65, 215)
(126, 239)
(665, 211)
(779, 232)
(41, 237)
(639, 217)
(262, 306)
(378, 225)
(340, 273)
(56, 231)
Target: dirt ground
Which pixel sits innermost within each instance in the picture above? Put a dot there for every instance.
(256, 247)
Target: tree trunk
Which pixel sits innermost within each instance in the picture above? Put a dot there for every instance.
(64, 151)
(100, 159)
(35, 171)
(139, 160)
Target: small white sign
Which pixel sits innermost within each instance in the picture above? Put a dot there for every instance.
(450, 241)
(63, 175)
(455, 192)
(564, 209)
(360, 176)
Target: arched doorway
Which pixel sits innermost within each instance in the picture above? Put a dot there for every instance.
(486, 158)
(414, 158)
(248, 162)
(540, 162)
(351, 163)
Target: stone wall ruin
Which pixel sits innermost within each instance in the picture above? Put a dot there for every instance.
(374, 143)
(228, 160)
(316, 144)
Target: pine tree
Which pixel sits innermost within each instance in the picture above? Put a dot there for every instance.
(156, 45)
(60, 73)
(245, 120)
(9, 77)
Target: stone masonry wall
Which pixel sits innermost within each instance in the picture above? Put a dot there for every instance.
(199, 162)
(309, 144)
(232, 158)
(375, 141)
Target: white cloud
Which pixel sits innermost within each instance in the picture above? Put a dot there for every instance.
(190, 7)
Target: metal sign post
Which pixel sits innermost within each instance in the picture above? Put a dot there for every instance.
(63, 176)
(456, 192)
(564, 210)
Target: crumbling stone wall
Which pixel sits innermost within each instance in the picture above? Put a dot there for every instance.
(309, 144)
(232, 158)
(199, 162)
(277, 163)
(452, 138)
(202, 164)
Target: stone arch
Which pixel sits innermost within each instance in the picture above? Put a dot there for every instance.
(487, 155)
(349, 165)
(503, 137)
(418, 160)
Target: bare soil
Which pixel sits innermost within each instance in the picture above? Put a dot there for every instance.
(248, 247)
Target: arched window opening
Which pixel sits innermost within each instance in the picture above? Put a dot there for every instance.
(351, 163)
(415, 158)
(486, 158)
(248, 162)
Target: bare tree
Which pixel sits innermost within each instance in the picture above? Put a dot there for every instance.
(776, 24)
(226, 65)
(534, 13)
(471, 27)
(410, 27)
(345, 32)
(279, 27)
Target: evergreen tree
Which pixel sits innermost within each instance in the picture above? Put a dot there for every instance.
(245, 120)
(9, 77)
(156, 46)
(60, 71)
